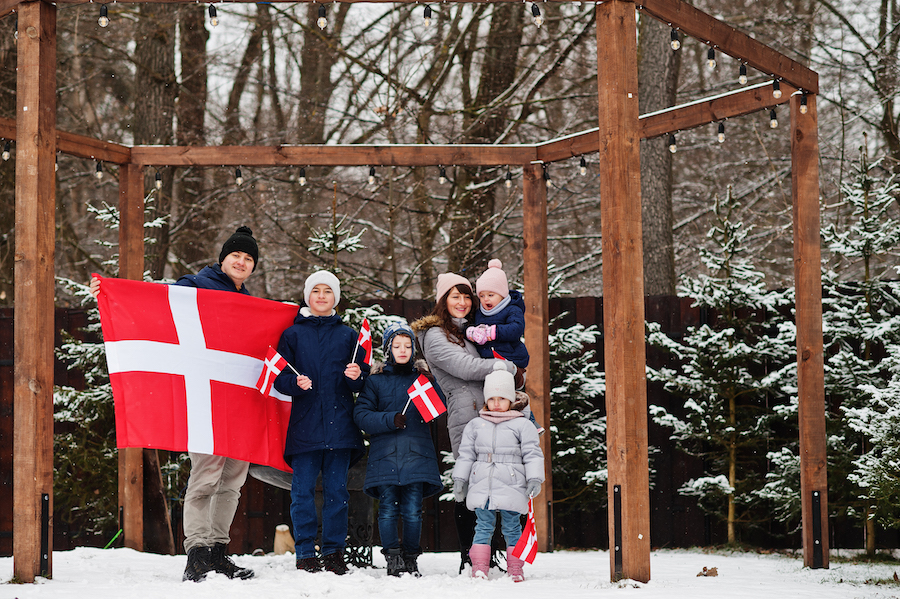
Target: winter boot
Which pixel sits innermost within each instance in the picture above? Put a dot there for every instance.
(199, 563)
(410, 564)
(394, 562)
(309, 564)
(222, 564)
(481, 560)
(514, 566)
(334, 562)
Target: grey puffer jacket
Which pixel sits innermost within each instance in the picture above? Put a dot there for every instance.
(498, 454)
(459, 370)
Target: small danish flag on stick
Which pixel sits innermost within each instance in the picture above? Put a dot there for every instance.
(272, 367)
(526, 548)
(425, 396)
(364, 341)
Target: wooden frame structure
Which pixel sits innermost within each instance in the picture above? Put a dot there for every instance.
(616, 139)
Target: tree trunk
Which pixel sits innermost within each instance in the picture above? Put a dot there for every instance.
(317, 59)
(658, 68)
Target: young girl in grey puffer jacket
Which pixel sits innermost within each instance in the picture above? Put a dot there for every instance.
(500, 465)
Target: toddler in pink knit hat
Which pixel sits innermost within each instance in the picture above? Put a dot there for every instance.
(500, 319)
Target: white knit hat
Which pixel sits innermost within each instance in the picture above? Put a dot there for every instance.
(322, 277)
(500, 383)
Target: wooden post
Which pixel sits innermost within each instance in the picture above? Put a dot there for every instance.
(34, 289)
(537, 329)
(810, 358)
(131, 266)
(623, 292)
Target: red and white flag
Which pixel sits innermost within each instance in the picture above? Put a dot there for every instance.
(272, 367)
(365, 342)
(183, 363)
(425, 396)
(526, 548)
(496, 355)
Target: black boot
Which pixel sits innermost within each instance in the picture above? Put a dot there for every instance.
(334, 562)
(394, 562)
(222, 564)
(410, 564)
(465, 532)
(199, 563)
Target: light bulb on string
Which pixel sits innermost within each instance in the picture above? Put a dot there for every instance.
(98, 172)
(238, 177)
(7, 151)
(536, 14)
(322, 21)
(673, 147)
(776, 89)
(582, 166)
(508, 181)
(371, 175)
(720, 136)
(742, 75)
(773, 119)
(213, 15)
(56, 165)
(103, 21)
(804, 108)
(16, 29)
(676, 41)
(711, 58)
(158, 181)
(427, 16)
(546, 173)
(442, 178)
(302, 176)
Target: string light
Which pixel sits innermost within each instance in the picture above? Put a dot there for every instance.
(16, 29)
(676, 41)
(773, 119)
(56, 165)
(427, 16)
(158, 182)
(213, 15)
(7, 149)
(803, 106)
(582, 167)
(103, 21)
(371, 175)
(673, 147)
(742, 75)
(776, 89)
(443, 176)
(238, 177)
(720, 136)
(302, 176)
(99, 170)
(508, 181)
(536, 13)
(711, 58)
(546, 173)
(322, 21)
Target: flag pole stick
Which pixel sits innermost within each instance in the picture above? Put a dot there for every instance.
(406, 406)
(292, 368)
(355, 349)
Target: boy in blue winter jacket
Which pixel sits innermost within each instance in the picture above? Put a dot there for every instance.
(321, 435)
(403, 467)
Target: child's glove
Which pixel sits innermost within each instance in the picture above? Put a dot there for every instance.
(477, 334)
(490, 332)
(460, 487)
(399, 421)
(533, 488)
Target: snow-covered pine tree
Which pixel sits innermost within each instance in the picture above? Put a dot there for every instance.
(729, 372)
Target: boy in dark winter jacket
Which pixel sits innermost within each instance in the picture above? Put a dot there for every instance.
(321, 435)
(500, 319)
(403, 467)
(500, 465)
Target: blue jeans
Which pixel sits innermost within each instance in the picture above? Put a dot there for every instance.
(396, 502)
(334, 464)
(485, 520)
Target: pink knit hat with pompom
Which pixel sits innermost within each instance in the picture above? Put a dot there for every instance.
(493, 279)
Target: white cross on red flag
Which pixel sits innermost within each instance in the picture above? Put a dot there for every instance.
(183, 363)
(272, 367)
(426, 398)
(365, 342)
(526, 548)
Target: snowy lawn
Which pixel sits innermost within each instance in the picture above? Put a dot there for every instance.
(127, 574)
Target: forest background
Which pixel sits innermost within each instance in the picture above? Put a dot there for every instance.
(481, 73)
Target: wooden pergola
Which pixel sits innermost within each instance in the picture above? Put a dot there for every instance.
(616, 139)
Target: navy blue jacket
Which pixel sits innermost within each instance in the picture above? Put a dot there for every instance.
(396, 456)
(510, 327)
(320, 347)
(211, 277)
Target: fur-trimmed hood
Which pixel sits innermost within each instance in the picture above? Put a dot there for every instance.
(426, 322)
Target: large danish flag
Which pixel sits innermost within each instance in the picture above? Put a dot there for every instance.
(184, 362)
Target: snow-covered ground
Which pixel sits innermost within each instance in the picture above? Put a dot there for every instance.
(127, 574)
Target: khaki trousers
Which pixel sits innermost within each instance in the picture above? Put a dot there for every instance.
(213, 492)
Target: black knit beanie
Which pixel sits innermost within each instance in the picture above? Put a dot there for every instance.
(241, 241)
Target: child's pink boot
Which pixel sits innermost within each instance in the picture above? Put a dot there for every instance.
(481, 560)
(514, 566)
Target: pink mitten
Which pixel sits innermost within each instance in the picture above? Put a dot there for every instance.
(478, 335)
(490, 332)
(470, 331)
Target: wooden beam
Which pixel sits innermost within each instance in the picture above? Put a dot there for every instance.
(8, 6)
(725, 38)
(131, 266)
(623, 292)
(537, 330)
(810, 355)
(34, 289)
(677, 118)
(79, 146)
